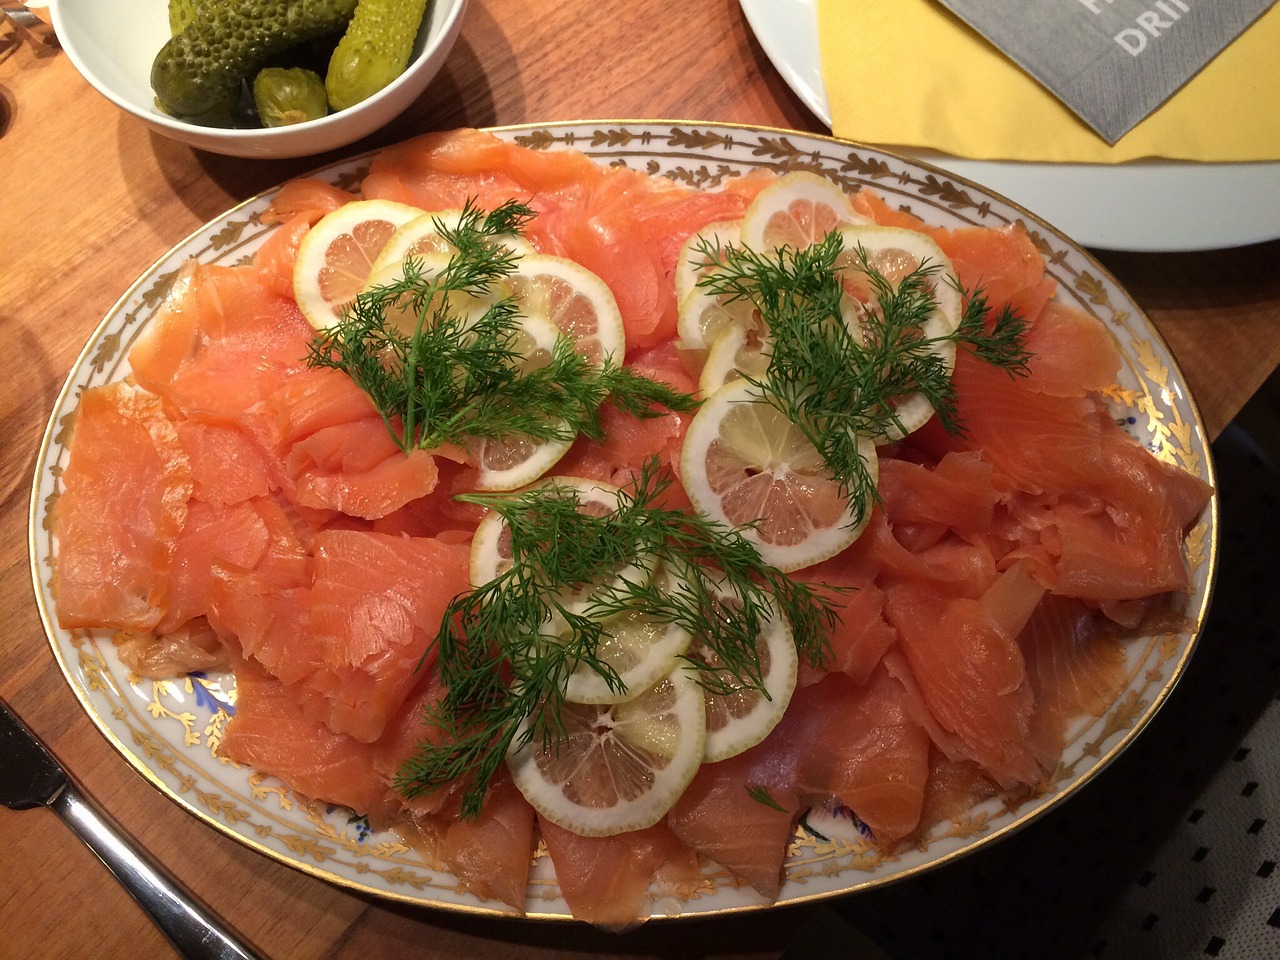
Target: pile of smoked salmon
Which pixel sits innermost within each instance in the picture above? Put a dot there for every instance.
(231, 507)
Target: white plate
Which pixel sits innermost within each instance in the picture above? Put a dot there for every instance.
(1147, 205)
(168, 730)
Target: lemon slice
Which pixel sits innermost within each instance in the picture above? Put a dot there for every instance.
(512, 461)
(422, 236)
(569, 298)
(401, 315)
(639, 648)
(692, 265)
(796, 210)
(617, 767)
(491, 545)
(574, 299)
(515, 461)
(742, 350)
(745, 464)
(739, 351)
(738, 720)
(702, 315)
(336, 256)
(895, 252)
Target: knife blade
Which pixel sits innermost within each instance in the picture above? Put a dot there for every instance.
(35, 778)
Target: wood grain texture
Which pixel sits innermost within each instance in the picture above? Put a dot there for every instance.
(91, 198)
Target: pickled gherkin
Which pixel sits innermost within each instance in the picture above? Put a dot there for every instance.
(182, 12)
(288, 95)
(374, 50)
(199, 72)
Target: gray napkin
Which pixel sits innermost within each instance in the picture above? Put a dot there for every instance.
(1112, 62)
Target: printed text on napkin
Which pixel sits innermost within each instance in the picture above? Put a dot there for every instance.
(1112, 62)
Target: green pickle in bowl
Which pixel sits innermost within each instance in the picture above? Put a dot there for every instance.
(219, 46)
(374, 50)
(285, 95)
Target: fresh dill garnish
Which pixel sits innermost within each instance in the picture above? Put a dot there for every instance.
(437, 354)
(762, 795)
(503, 663)
(835, 385)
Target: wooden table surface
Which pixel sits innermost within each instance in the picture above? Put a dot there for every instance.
(91, 198)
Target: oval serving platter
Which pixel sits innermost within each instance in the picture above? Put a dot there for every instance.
(170, 730)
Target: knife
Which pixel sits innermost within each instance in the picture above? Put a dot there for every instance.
(34, 778)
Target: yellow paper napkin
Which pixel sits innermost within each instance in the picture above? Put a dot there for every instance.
(907, 73)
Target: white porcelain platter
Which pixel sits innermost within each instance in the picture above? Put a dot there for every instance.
(169, 730)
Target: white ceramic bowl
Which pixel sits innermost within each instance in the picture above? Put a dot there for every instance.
(113, 43)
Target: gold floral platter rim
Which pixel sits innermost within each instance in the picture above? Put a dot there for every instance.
(168, 731)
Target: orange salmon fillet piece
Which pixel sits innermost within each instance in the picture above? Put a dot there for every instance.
(122, 509)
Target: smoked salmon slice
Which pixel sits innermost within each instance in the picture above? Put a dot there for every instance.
(971, 676)
(1076, 667)
(327, 449)
(491, 854)
(210, 536)
(269, 733)
(264, 616)
(740, 813)
(607, 880)
(220, 343)
(438, 171)
(1072, 353)
(376, 605)
(226, 466)
(858, 744)
(122, 509)
(306, 197)
(861, 636)
(629, 441)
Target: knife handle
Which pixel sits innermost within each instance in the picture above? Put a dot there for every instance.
(190, 926)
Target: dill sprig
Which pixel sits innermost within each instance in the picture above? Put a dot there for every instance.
(437, 353)
(507, 648)
(836, 385)
(762, 795)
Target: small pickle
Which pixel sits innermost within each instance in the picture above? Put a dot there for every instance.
(288, 95)
(182, 12)
(200, 71)
(374, 50)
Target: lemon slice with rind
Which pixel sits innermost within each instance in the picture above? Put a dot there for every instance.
(491, 545)
(421, 236)
(337, 254)
(639, 648)
(742, 716)
(401, 316)
(745, 464)
(512, 461)
(491, 553)
(576, 301)
(703, 315)
(693, 265)
(741, 351)
(559, 294)
(616, 767)
(795, 211)
(894, 253)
